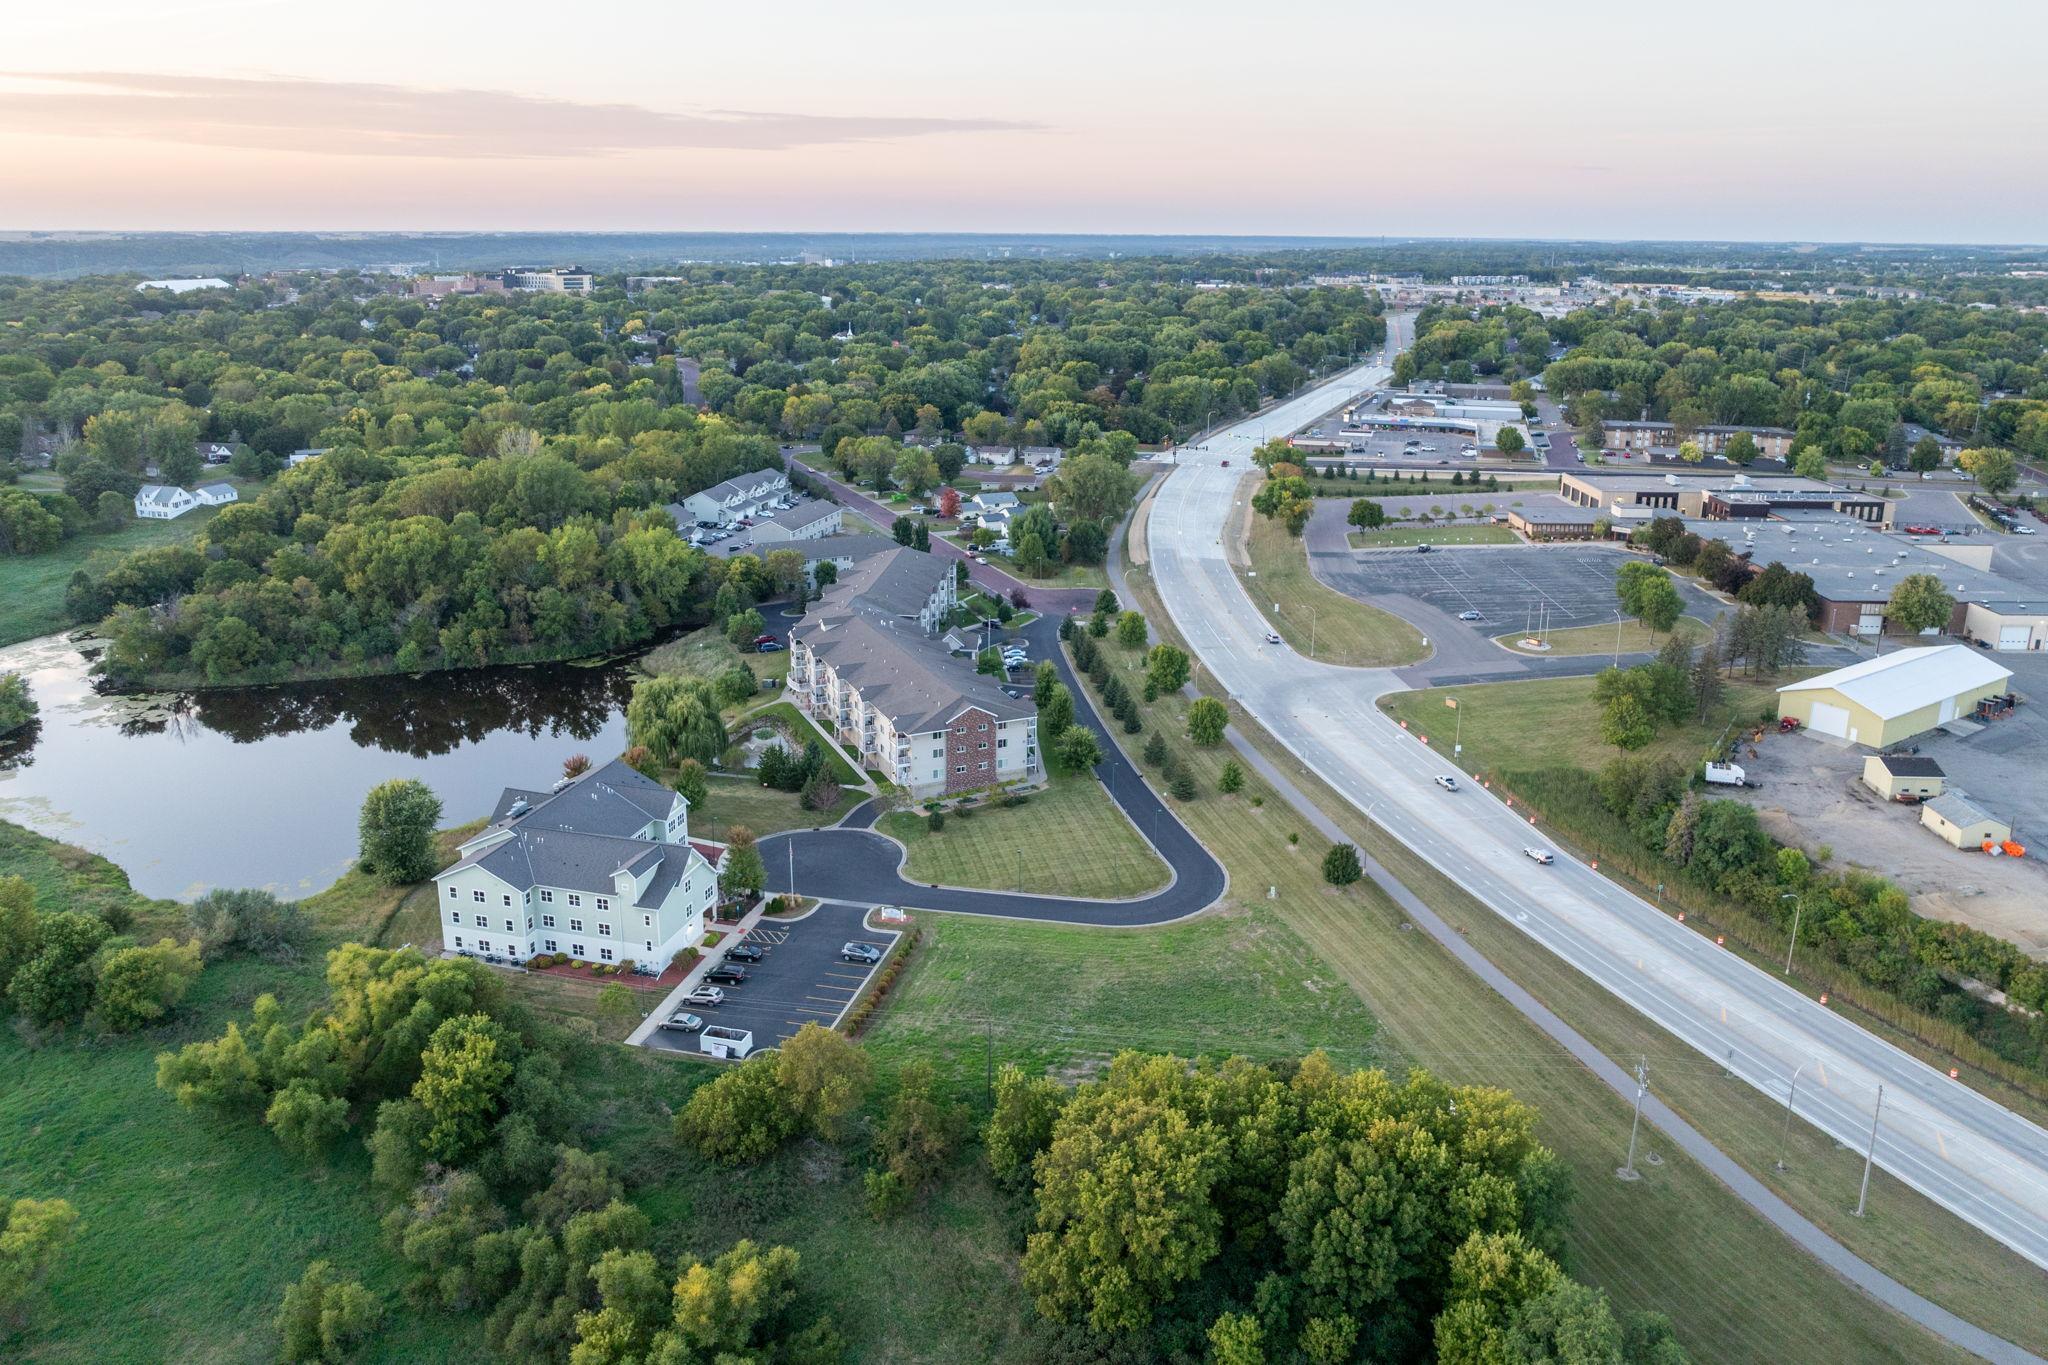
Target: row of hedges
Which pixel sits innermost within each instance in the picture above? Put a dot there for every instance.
(863, 1012)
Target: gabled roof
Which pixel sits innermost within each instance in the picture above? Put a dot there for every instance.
(1897, 683)
(809, 514)
(743, 485)
(582, 835)
(160, 493)
(1959, 809)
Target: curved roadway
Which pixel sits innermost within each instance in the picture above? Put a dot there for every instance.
(862, 866)
(1969, 1154)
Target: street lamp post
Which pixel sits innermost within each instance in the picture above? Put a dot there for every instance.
(1864, 1194)
(1791, 1096)
(1798, 900)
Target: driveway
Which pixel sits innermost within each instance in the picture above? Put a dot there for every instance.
(800, 981)
(853, 863)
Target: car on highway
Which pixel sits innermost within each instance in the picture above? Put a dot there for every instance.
(1539, 855)
(682, 1021)
(1272, 637)
(1447, 782)
(1226, 464)
(745, 952)
(867, 954)
(727, 974)
(1422, 549)
(1470, 616)
(705, 997)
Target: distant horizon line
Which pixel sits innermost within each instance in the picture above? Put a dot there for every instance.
(1368, 239)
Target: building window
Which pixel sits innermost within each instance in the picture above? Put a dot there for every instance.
(547, 898)
(477, 896)
(547, 921)
(574, 899)
(551, 945)
(455, 917)
(529, 924)
(575, 926)
(603, 903)
(647, 921)
(510, 927)
(576, 950)
(483, 945)
(453, 893)
(648, 947)
(604, 931)
(604, 954)
(982, 745)
(508, 898)
(959, 767)
(982, 726)
(458, 940)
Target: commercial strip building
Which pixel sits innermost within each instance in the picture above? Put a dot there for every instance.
(1772, 442)
(1888, 700)
(1552, 518)
(601, 868)
(1481, 419)
(1724, 495)
(867, 663)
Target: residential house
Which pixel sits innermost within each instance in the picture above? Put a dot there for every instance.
(216, 494)
(214, 453)
(745, 496)
(868, 663)
(806, 521)
(998, 456)
(601, 868)
(299, 457)
(1041, 457)
(161, 502)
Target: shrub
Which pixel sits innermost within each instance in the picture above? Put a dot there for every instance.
(936, 821)
(1340, 865)
(1155, 750)
(1182, 787)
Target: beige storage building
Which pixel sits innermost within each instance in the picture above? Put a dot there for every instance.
(1887, 700)
(1963, 823)
(1893, 776)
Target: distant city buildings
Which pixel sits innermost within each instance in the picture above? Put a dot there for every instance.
(184, 286)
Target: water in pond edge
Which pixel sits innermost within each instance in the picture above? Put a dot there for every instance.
(261, 786)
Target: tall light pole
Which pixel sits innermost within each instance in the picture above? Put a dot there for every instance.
(1798, 899)
(1628, 1170)
(1790, 1097)
(1870, 1155)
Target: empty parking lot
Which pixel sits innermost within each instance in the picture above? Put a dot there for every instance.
(1512, 587)
(800, 981)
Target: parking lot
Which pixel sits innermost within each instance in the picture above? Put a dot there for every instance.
(800, 981)
(1511, 587)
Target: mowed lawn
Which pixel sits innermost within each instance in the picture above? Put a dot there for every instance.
(1633, 638)
(32, 586)
(1315, 618)
(764, 810)
(1397, 537)
(1554, 722)
(1067, 840)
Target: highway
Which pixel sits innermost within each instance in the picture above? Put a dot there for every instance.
(1964, 1151)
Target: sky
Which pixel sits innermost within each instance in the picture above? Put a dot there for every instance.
(1793, 120)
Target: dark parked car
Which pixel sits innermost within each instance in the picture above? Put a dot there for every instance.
(867, 954)
(744, 952)
(727, 974)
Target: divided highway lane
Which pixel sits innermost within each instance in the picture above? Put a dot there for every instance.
(1979, 1160)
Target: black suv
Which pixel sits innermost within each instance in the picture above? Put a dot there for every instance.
(727, 974)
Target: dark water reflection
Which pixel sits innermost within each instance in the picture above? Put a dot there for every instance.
(260, 786)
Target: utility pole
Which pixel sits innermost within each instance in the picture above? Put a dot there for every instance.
(1798, 908)
(1791, 1096)
(1628, 1171)
(1871, 1154)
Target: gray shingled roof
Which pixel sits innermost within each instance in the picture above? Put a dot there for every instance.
(581, 836)
(809, 514)
(850, 546)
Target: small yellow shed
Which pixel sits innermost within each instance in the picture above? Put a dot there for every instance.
(1907, 776)
(1963, 823)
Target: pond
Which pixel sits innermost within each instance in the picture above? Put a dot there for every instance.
(261, 786)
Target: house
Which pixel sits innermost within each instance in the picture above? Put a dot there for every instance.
(1963, 823)
(998, 456)
(601, 868)
(1887, 700)
(299, 457)
(806, 521)
(1041, 457)
(1006, 503)
(869, 664)
(736, 499)
(161, 502)
(1903, 777)
(213, 452)
(216, 494)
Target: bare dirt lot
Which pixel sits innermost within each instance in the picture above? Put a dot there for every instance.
(1813, 795)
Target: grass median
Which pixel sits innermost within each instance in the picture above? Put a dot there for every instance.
(1315, 619)
(1069, 839)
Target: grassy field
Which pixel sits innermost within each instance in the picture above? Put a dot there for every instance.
(1063, 999)
(764, 810)
(1545, 722)
(707, 653)
(32, 586)
(1634, 637)
(1343, 631)
(1068, 840)
(1394, 537)
(1677, 1241)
